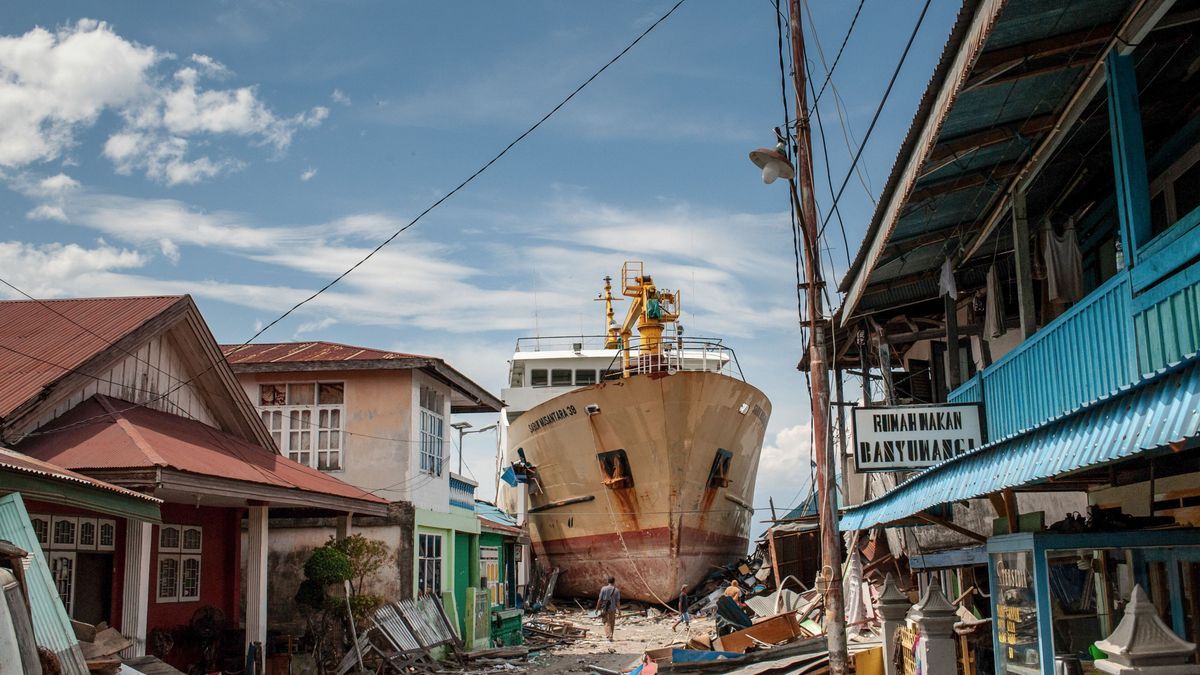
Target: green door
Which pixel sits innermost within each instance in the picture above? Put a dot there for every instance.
(462, 575)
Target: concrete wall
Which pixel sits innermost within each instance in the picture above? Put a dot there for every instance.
(382, 444)
(292, 540)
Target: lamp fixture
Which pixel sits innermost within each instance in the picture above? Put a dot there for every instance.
(773, 161)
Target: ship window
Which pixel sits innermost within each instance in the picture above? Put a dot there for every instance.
(560, 377)
(615, 465)
(585, 377)
(718, 475)
(537, 378)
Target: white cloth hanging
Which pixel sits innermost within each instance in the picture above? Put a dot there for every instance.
(1064, 265)
(946, 283)
(993, 306)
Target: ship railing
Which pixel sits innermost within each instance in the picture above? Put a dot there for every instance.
(675, 355)
(561, 343)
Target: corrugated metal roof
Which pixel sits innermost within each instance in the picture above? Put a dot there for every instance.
(308, 352)
(51, 626)
(15, 461)
(51, 344)
(1158, 411)
(1020, 79)
(120, 437)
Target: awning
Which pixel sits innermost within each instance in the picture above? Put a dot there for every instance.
(46, 482)
(1159, 413)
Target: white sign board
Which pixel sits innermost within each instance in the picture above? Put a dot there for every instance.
(907, 437)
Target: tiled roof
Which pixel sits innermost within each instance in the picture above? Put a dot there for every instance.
(308, 352)
(49, 344)
(112, 434)
(15, 461)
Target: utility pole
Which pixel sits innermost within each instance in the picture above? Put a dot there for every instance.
(831, 541)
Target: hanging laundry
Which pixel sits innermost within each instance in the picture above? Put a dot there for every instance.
(1064, 264)
(946, 283)
(993, 306)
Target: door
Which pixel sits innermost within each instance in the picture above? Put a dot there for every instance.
(93, 587)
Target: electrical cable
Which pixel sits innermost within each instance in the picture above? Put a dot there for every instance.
(420, 215)
(879, 110)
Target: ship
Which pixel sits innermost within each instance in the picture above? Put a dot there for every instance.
(634, 454)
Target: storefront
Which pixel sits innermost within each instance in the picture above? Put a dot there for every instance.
(1058, 594)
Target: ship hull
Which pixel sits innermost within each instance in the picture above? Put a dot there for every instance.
(677, 517)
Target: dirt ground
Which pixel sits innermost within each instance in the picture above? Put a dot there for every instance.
(635, 633)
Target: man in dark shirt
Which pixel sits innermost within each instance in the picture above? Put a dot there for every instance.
(609, 603)
(683, 604)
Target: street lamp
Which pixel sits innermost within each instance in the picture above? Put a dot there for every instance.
(462, 431)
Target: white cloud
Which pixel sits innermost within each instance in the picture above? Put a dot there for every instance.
(51, 87)
(785, 467)
(53, 270)
(313, 326)
(340, 97)
(169, 250)
(308, 174)
(47, 212)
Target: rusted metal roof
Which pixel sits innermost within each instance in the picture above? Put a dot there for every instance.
(467, 396)
(15, 461)
(308, 352)
(104, 433)
(38, 346)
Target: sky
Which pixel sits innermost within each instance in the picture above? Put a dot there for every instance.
(248, 152)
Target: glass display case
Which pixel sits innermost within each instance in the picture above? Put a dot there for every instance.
(1058, 594)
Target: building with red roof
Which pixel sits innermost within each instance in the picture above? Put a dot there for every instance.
(135, 393)
(379, 420)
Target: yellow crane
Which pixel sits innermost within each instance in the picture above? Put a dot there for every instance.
(650, 310)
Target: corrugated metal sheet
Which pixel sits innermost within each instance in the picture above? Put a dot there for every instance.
(120, 437)
(49, 341)
(51, 625)
(1169, 328)
(15, 461)
(1160, 410)
(1089, 350)
(395, 630)
(308, 352)
(428, 623)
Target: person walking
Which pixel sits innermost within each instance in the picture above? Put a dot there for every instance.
(609, 603)
(683, 603)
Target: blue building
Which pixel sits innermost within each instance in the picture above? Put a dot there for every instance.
(1036, 251)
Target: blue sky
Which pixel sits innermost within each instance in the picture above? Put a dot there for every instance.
(247, 152)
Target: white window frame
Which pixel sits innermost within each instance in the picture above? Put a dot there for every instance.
(432, 435)
(64, 524)
(179, 553)
(489, 563)
(430, 565)
(54, 560)
(86, 524)
(310, 422)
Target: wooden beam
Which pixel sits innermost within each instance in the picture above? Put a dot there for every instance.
(1005, 503)
(949, 150)
(983, 176)
(1013, 71)
(1024, 270)
(937, 520)
(954, 370)
(1038, 49)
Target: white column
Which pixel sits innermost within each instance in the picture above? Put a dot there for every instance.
(135, 597)
(256, 576)
(935, 618)
(344, 526)
(892, 605)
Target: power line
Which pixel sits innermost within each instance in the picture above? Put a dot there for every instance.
(845, 39)
(875, 118)
(419, 216)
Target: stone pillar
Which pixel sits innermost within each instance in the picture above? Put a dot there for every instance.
(892, 605)
(135, 597)
(1142, 643)
(935, 618)
(344, 526)
(256, 576)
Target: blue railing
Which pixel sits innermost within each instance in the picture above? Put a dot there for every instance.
(1084, 354)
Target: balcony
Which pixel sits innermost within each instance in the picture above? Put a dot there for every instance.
(1137, 322)
(462, 493)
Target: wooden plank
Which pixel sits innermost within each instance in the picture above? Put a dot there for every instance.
(1024, 271)
(775, 630)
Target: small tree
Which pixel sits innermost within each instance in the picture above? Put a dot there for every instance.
(325, 567)
(367, 557)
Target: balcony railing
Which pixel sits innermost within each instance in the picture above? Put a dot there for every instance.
(1106, 341)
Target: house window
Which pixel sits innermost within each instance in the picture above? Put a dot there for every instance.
(108, 536)
(615, 465)
(179, 550)
(538, 378)
(560, 377)
(429, 564)
(489, 572)
(305, 419)
(62, 569)
(63, 530)
(41, 529)
(432, 431)
(87, 534)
